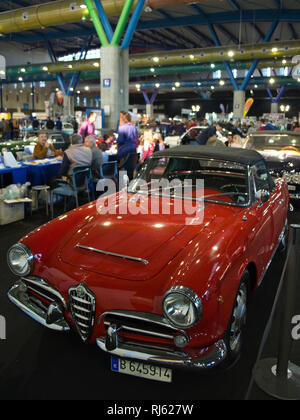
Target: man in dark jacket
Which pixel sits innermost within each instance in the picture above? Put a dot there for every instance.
(207, 133)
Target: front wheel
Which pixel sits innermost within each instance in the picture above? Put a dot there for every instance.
(234, 334)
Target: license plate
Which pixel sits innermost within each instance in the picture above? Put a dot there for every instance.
(291, 187)
(143, 370)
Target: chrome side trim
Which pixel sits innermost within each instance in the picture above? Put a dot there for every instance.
(113, 254)
(165, 356)
(33, 308)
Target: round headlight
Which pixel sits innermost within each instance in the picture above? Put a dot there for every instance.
(182, 307)
(20, 259)
(287, 177)
(296, 178)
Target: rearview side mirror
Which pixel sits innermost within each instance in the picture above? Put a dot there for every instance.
(262, 195)
(265, 196)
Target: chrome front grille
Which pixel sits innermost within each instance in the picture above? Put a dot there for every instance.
(82, 305)
(142, 324)
(43, 289)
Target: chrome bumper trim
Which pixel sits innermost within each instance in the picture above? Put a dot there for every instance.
(33, 307)
(165, 356)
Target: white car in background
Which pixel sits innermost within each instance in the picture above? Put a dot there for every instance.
(173, 141)
(68, 129)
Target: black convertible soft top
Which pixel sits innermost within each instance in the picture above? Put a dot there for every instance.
(238, 155)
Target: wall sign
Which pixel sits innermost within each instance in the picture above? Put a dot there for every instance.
(106, 83)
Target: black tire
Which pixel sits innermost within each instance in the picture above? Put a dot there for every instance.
(234, 334)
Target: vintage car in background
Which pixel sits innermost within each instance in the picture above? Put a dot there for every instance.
(185, 138)
(155, 290)
(281, 150)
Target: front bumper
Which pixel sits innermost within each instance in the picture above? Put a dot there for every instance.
(213, 357)
(35, 308)
(52, 317)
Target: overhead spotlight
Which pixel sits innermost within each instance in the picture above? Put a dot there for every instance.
(222, 83)
(177, 84)
(212, 65)
(284, 61)
(96, 64)
(157, 85)
(45, 68)
(212, 87)
(230, 53)
(173, 88)
(272, 81)
(152, 69)
(20, 79)
(192, 57)
(86, 88)
(23, 70)
(156, 59)
(274, 50)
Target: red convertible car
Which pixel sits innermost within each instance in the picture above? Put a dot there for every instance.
(151, 289)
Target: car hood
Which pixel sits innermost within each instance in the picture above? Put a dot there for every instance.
(281, 160)
(137, 246)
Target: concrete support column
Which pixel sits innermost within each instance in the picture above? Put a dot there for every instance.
(238, 103)
(124, 79)
(274, 108)
(68, 106)
(111, 85)
(150, 110)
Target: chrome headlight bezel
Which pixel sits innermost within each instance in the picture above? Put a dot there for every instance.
(180, 292)
(287, 177)
(27, 255)
(296, 178)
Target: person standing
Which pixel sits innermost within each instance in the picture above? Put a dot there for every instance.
(87, 128)
(35, 124)
(58, 124)
(49, 124)
(127, 136)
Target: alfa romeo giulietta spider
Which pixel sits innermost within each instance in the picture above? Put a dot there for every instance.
(159, 273)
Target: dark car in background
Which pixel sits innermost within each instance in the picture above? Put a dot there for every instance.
(281, 150)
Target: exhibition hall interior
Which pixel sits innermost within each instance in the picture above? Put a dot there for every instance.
(149, 202)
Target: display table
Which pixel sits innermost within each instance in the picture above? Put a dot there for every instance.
(41, 171)
(19, 175)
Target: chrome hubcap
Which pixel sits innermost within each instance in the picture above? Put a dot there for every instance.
(238, 318)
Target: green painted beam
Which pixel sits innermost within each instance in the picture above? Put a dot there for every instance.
(122, 23)
(97, 23)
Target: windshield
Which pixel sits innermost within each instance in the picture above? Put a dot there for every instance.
(280, 143)
(190, 178)
(194, 132)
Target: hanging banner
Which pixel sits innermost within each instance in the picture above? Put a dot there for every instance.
(60, 96)
(248, 105)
